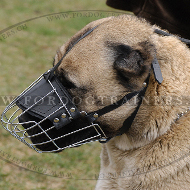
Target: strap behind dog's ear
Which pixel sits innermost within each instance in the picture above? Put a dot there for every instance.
(164, 33)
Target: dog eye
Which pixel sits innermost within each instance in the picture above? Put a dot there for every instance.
(66, 83)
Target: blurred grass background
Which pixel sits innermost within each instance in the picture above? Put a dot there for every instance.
(27, 51)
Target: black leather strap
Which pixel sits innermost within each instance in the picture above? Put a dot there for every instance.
(161, 32)
(111, 107)
(128, 122)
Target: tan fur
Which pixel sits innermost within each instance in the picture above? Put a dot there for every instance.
(153, 154)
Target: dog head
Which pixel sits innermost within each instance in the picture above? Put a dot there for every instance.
(112, 61)
(99, 70)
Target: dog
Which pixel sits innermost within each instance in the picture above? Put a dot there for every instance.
(116, 59)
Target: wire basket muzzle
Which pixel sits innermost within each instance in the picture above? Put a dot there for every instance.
(45, 118)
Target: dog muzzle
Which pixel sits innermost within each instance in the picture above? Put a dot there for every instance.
(45, 118)
(47, 102)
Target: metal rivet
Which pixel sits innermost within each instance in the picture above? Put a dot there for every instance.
(144, 84)
(83, 113)
(63, 115)
(95, 115)
(103, 139)
(56, 120)
(72, 109)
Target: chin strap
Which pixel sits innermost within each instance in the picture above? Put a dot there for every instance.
(128, 122)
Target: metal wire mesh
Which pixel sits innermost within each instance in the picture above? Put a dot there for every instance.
(10, 121)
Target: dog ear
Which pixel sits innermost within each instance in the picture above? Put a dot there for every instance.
(128, 61)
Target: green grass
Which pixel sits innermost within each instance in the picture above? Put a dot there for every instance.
(24, 55)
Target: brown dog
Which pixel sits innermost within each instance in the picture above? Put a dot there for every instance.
(153, 153)
(113, 60)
